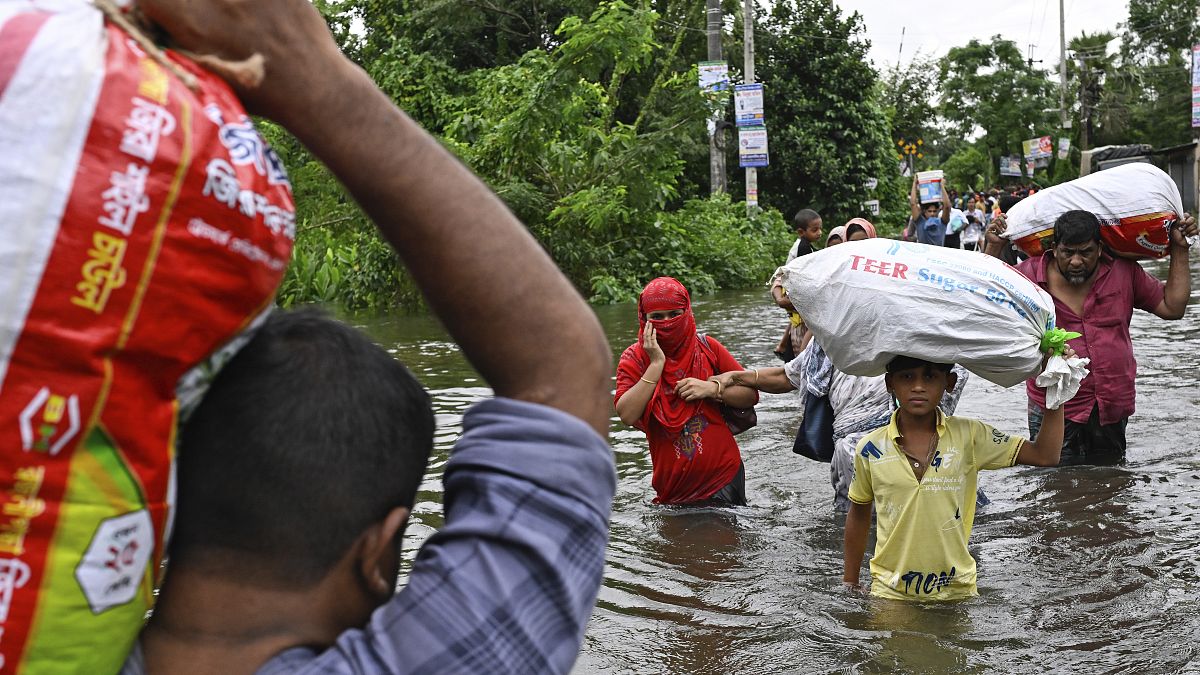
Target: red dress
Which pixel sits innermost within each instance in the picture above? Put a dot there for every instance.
(698, 458)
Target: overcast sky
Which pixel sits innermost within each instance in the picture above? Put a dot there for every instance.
(934, 26)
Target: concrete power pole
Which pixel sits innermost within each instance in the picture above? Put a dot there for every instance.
(716, 139)
(748, 56)
(1064, 117)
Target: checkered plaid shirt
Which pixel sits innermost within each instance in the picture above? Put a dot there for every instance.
(508, 584)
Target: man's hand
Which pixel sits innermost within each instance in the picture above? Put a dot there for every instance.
(300, 58)
(996, 228)
(691, 389)
(1186, 227)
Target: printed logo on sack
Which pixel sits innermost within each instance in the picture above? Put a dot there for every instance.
(49, 422)
(14, 574)
(111, 570)
(246, 146)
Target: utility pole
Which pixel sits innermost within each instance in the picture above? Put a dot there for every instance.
(716, 138)
(748, 57)
(1064, 118)
(1085, 108)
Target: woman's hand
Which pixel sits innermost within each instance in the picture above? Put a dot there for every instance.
(650, 344)
(691, 389)
(725, 379)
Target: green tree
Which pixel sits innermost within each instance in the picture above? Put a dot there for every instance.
(1100, 108)
(988, 87)
(1154, 79)
(829, 133)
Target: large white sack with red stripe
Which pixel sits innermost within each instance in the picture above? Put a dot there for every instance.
(872, 300)
(1137, 204)
(143, 225)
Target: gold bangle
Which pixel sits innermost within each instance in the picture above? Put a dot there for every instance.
(648, 381)
(756, 377)
(719, 388)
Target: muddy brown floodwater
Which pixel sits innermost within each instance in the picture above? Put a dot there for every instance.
(1081, 569)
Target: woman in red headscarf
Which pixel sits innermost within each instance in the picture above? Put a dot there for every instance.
(663, 389)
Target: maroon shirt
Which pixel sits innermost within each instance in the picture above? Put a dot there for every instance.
(1120, 285)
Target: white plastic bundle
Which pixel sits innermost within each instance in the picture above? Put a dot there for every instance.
(870, 301)
(1136, 204)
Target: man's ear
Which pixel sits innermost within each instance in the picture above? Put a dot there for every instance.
(379, 553)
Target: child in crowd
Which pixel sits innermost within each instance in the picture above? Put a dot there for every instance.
(858, 229)
(663, 390)
(920, 472)
(836, 236)
(807, 224)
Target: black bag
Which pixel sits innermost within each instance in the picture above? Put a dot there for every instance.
(814, 439)
(737, 419)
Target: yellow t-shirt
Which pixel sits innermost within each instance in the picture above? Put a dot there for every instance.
(922, 527)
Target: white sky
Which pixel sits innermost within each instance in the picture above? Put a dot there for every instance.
(932, 27)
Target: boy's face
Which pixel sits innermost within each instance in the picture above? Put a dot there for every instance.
(930, 210)
(920, 389)
(812, 232)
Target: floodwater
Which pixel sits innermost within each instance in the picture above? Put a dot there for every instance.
(1081, 569)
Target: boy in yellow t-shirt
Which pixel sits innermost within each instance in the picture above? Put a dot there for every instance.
(920, 472)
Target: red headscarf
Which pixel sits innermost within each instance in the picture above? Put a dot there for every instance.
(678, 339)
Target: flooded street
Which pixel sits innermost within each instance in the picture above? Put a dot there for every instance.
(1082, 569)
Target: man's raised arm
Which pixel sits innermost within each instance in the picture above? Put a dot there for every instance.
(517, 318)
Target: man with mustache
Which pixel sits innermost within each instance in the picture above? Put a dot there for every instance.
(1095, 294)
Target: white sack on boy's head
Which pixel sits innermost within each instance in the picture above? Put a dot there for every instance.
(870, 301)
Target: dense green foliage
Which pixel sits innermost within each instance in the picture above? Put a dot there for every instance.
(585, 117)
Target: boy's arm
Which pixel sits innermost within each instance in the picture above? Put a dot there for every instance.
(1046, 449)
(945, 205)
(858, 520)
(530, 328)
(914, 205)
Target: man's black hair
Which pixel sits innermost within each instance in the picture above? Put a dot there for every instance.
(1077, 227)
(1007, 201)
(909, 362)
(309, 435)
(804, 218)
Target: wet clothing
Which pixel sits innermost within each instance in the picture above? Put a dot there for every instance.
(697, 458)
(930, 231)
(691, 448)
(1120, 286)
(733, 494)
(510, 580)
(1085, 443)
(860, 405)
(922, 527)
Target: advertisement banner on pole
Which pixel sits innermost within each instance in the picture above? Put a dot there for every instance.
(752, 146)
(1195, 86)
(1064, 148)
(1010, 165)
(714, 75)
(1036, 148)
(748, 105)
